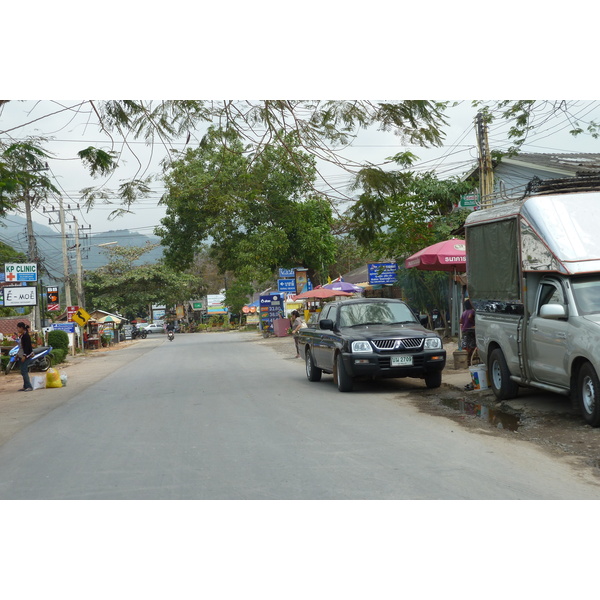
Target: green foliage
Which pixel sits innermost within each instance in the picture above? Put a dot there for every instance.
(99, 161)
(120, 286)
(22, 168)
(424, 290)
(59, 340)
(236, 295)
(400, 212)
(58, 355)
(255, 211)
(8, 254)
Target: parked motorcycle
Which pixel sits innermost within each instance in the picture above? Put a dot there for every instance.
(171, 335)
(141, 333)
(41, 360)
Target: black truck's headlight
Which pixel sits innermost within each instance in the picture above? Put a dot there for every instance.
(361, 347)
(433, 343)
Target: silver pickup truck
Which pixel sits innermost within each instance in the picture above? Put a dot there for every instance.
(371, 337)
(533, 270)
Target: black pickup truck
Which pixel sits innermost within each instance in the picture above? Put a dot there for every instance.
(370, 337)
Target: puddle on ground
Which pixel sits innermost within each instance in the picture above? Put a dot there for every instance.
(496, 418)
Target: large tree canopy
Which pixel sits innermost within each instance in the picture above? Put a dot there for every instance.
(256, 211)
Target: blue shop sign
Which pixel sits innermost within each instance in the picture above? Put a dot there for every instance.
(382, 273)
(287, 272)
(286, 285)
(68, 327)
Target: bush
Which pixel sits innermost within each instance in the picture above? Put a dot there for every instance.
(58, 355)
(59, 339)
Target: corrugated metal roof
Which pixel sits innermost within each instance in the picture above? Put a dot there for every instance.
(568, 163)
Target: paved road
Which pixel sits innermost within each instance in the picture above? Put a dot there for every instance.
(220, 416)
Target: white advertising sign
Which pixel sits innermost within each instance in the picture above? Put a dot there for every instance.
(20, 296)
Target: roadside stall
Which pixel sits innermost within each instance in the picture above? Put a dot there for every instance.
(91, 337)
(314, 299)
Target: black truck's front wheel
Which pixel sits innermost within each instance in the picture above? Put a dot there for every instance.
(343, 380)
(433, 380)
(312, 373)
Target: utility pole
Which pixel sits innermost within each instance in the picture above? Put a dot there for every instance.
(486, 172)
(32, 257)
(61, 212)
(80, 298)
(63, 233)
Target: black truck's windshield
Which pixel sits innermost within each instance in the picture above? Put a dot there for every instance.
(375, 313)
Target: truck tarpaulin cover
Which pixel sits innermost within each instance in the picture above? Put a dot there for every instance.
(493, 271)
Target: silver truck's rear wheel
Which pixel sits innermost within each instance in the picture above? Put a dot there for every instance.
(503, 386)
(588, 390)
(313, 373)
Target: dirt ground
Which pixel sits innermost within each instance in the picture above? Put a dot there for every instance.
(546, 420)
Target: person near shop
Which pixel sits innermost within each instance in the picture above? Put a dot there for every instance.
(467, 327)
(296, 326)
(25, 355)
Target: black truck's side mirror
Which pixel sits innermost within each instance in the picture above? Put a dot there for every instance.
(326, 324)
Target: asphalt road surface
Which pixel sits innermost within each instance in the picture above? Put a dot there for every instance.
(222, 416)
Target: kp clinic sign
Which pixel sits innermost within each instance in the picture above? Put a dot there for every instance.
(17, 272)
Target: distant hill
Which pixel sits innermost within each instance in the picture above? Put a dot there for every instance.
(49, 244)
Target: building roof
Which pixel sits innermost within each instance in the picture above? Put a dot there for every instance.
(568, 164)
(8, 325)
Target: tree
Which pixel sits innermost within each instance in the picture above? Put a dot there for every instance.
(236, 296)
(23, 174)
(254, 211)
(10, 255)
(424, 290)
(400, 212)
(119, 286)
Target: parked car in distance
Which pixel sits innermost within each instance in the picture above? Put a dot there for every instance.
(372, 338)
(153, 328)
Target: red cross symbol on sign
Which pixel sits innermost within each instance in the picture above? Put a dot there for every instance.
(10, 276)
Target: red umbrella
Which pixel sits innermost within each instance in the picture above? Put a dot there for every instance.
(443, 256)
(321, 293)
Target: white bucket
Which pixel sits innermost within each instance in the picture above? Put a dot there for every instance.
(479, 377)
